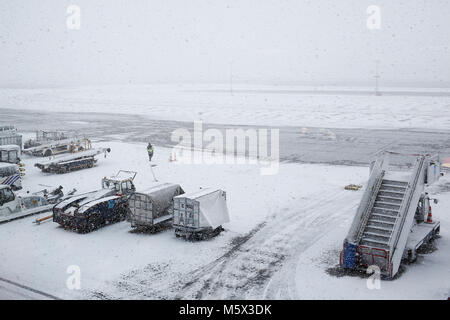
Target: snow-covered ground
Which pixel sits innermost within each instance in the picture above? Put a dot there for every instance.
(426, 278)
(285, 231)
(244, 104)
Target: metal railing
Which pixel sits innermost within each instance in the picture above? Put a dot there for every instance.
(366, 214)
(405, 206)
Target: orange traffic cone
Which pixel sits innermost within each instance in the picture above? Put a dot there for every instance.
(430, 215)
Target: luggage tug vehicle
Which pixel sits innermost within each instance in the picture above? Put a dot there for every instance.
(92, 210)
(14, 206)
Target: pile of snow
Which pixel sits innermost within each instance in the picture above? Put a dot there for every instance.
(303, 214)
(39, 256)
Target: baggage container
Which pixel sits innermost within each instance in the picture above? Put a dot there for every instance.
(200, 214)
(9, 136)
(151, 207)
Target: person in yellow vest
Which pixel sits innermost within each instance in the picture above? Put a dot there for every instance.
(150, 151)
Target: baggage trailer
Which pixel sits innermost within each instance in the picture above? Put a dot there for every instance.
(151, 207)
(44, 136)
(200, 215)
(394, 217)
(57, 147)
(72, 162)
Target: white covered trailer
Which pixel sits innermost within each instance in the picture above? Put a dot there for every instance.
(200, 214)
(152, 206)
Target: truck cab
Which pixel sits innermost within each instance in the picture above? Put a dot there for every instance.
(95, 209)
(122, 183)
(8, 201)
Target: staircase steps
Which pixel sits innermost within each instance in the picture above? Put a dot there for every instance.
(384, 214)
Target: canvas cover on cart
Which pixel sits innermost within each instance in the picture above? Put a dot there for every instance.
(204, 208)
(154, 201)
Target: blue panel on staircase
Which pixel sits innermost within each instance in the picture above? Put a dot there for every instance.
(349, 255)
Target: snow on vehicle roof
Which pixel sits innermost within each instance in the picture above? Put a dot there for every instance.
(122, 175)
(93, 196)
(199, 193)
(9, 147)
(73, 156)
(88, 205)
(86, 198)
(71, 199)
(158, 187)
(7, 165)
(52, 144)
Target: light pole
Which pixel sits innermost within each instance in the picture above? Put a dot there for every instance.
(377, 77)
(231, 76)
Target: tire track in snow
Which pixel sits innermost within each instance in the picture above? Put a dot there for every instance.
(25, 291)
(246, 273)
(245, 270)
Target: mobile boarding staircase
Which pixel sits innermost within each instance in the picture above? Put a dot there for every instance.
(389, 224)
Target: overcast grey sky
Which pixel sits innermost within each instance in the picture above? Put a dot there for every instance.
(192, 41)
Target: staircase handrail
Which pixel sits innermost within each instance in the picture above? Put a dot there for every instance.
(406, 202)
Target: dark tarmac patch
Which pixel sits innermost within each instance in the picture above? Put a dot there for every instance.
(240, 240)
(152, 230)
(339, 272)
(337, 146)
(428, 247)
(335, 270)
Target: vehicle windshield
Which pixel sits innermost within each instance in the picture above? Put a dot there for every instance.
(6, 195)
(111, 185)
(10, 156)
(4, 156)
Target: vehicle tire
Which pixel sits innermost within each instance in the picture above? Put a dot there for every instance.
(200, 236)
(95, 221)
(122, 214)
(83, 230)
(48, 153)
